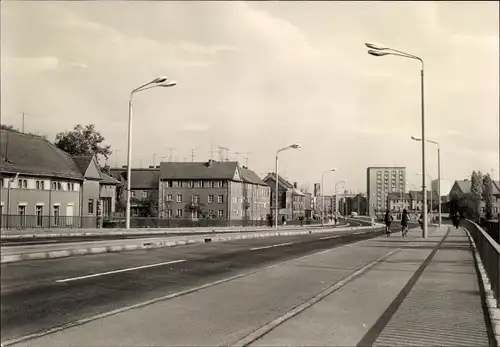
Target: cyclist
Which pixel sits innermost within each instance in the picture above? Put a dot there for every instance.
(404, 223)
(388, 220)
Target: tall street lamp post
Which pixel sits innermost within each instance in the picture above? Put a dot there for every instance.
(294, 146)
(157, 82)
(378, 51)
(323, 195)
(439, 172)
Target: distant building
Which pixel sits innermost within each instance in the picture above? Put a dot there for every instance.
(359, 204)
(291, 201)
(380, 182)
(308, 202)
(464, 187)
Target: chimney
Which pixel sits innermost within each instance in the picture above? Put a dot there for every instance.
(151, 166)
(209, 163)
(157, 166)
(124, 166)
(295, 185)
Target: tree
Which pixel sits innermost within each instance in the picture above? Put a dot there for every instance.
(476, 191)
(488, 195)
(83, 141)
(147, 206)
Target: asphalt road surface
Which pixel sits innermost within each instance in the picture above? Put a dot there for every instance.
(24, 241)
(38, 295)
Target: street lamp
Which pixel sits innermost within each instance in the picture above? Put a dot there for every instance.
(323, 195)
(336, 185)
(294, 146)
(157, 82)
(439, 172)
(379, 51)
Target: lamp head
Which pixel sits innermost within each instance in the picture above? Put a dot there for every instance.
(160, 79)
(377, 53)
(375, 46)
(296, 146)
(167, 84)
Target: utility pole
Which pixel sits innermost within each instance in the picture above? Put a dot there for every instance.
(221, 153)
(23, 114)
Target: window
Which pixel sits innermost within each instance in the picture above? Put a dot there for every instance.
(91, 206)
(195, 198)
(210, 199)
(71, 187)
(40, 185)
(218, 184)
(169, 213)
(21, 210)
(198, 184)
(220, 198)
(144, 195)
(56, 215)
(169, 197)
(39, 216)
(179, 212)
(208, 184)
(54, 185)
(59, 186)
(175, 184)
(132, 194)
(22, 183)
(190, 184)
(179, 197)
(220, 213)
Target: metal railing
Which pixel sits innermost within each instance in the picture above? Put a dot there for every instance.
(24, 222)
(489, 251)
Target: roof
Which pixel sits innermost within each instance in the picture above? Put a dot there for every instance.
(281, 180)
(106, 179)
(28, 154)
(141, 178)
(82, 162)
(385, 167)
(464, 186)
(496, 188)
(297, 192)
(249, 176)
(397, 196)
(223, 170)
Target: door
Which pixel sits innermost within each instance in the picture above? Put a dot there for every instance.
(69, 214)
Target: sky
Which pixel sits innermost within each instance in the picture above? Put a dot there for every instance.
(258, 76)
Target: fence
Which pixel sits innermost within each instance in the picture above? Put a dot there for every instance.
(489, 252)
(17, 222)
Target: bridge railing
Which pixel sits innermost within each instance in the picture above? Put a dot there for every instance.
(489, 251)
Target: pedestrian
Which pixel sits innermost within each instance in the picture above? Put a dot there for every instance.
(404, 223)
(283, 220)
(456, 220)
(388, 219)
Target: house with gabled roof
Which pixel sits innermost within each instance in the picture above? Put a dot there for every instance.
(290, 199)
(98, 189)
(45, 187)
(217, 190)
(464, 187)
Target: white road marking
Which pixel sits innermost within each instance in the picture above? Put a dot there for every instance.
(329, 237)
(277, 245)
(118, 271)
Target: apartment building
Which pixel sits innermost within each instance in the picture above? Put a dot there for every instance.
(143, 185)
(380, 182)
(44, 187)
(219, 190)
(291, 201)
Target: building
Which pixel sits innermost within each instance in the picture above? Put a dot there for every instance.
(445, 187)
(358, 204)
(345, 202)
(308, 205)
(381, 181)
(213, 190)
(143, 190)
(329, 203)
(44, 187)
(291, 201)
(464, 187)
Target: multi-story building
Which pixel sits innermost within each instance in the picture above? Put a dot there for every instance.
(345, 201)
(143, 187)
(44, 187)
(220, 190)
(291, 201)
(380, 182)
(358, 204)
(308, 202)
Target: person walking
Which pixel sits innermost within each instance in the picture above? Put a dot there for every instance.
(388, 220)
(404, 223)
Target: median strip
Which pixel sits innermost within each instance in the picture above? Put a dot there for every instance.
(118, 271)
(329, 237)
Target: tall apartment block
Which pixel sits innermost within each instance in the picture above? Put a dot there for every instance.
(380, 181)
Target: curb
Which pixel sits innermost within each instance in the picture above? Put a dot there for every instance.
(491, 301)
(55, 254)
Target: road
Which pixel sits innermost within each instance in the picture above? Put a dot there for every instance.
(38, 295)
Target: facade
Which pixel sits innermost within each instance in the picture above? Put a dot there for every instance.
(215, 190)
(464, 187)
(44, 187)
(358, 204)
(308, 202)
(445, 187)
(329, 203)
(380, 182)
(143, 187)
(291, 201)
(345, 203)
(412, 202)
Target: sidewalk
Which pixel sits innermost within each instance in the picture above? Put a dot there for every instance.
(383, 291)
(414, 298)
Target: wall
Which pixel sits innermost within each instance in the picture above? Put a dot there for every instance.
(90, 191)
(187, 193)
(109, 191)
(257, 198)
